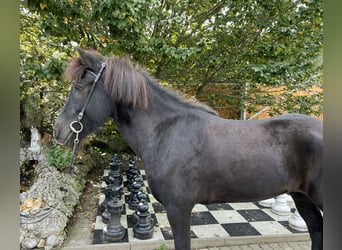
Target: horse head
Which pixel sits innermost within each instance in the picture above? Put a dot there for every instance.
(89, 105)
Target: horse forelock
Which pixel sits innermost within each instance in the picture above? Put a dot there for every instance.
(127, 84)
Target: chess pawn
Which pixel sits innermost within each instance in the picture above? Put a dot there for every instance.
(139, 179)
(142, 197)
(132, 159)
(267, 203)
(133, 201)
(143, 229)
(296, 222)
(114, 231)
(133, 173)
(280, 207)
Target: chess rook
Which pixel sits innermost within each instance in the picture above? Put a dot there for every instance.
(114, 231)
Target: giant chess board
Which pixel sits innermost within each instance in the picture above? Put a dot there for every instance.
(207, 221)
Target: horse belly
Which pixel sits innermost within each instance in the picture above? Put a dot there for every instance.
(244, 178)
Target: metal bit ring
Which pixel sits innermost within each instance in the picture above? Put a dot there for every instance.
(74, 129)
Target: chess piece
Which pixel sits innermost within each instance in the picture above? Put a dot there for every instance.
(114, 176)
(139, 179)
(142, 197)
(114, 231)
(280, 207)
(267, 203)
(116, 158)
(105, 216)
(132, 159)
(110, 193)
(133, 201)
(109, 179)
(296, 222)
(132, 174)
(144, 228)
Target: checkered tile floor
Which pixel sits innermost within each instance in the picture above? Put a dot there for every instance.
(207, 221)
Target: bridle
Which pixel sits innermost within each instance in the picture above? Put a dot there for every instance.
(77, 126)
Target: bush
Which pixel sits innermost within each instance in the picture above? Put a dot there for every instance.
(58, 156)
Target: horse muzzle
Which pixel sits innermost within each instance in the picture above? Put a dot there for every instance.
(64, 138)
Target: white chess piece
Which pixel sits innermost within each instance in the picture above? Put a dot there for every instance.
(296, 222)
(267, 203)
(280, 207)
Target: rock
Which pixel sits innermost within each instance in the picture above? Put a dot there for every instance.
(52, 241)
(57, 193)
(41, 243)
(29, 243)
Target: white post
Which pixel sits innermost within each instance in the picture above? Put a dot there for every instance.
(34, 148)
(243, 102)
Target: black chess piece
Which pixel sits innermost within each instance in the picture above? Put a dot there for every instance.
(116, 158)
(105, 216)
(132, 159)
(132, 174)
(114, 231)
(133, 201)
(110, 193)
(139, 179)
(144, 228)
(114, 176)
(142, 197)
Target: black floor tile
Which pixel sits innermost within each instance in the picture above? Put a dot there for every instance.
(255, 215)
(240, 229)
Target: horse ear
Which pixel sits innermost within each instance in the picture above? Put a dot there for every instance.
(91, 58)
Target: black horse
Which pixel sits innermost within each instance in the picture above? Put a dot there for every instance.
(190, 154)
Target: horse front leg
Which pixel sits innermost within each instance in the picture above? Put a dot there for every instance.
(179, 218)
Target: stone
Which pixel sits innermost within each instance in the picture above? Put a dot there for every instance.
(52, 241)
(41, 243)
(55, 195)
(29, 243)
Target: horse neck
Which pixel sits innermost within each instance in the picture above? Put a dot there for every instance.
(140, 131)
